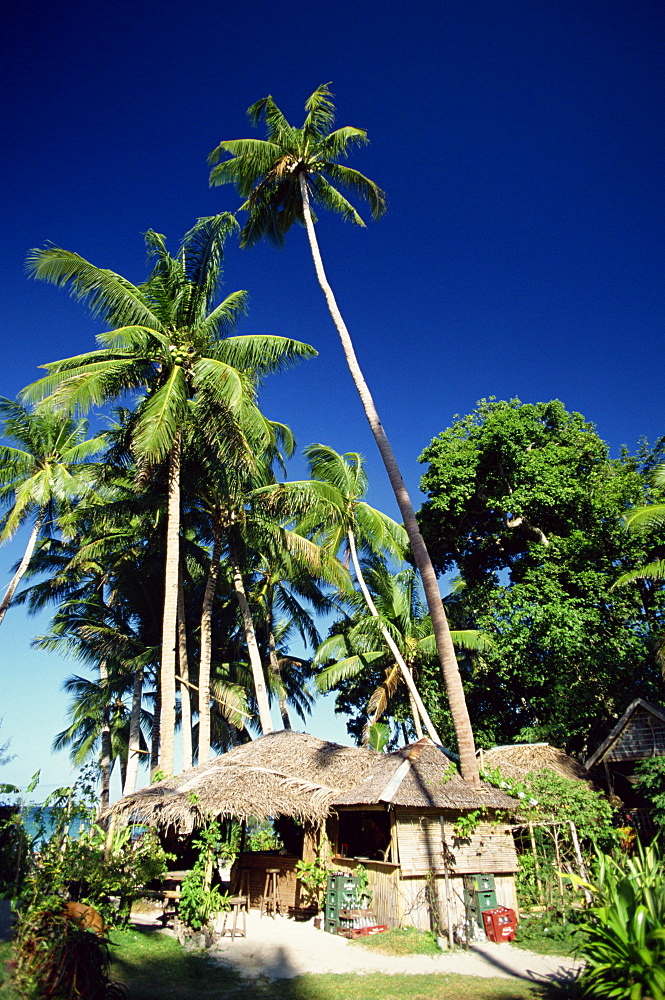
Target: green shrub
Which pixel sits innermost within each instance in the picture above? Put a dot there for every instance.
(624, 943)
(56, 960)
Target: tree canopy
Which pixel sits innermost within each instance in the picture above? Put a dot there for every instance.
(525, 502)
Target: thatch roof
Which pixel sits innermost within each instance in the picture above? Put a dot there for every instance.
(295, 774)
(518, 760)
(639, 733)
(419, 776)
(284, 773)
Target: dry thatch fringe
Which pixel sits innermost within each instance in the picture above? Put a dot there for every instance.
(297, 775)
(518, 760)
(284, 773)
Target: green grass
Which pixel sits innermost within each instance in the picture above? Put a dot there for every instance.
(154, 967)
(548, 935)
(404, 941)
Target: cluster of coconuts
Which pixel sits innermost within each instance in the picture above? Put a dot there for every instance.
(182, 355)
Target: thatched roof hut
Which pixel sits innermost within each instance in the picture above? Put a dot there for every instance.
(294, 774)
(420, 776)
(518, 760)
(284, 773)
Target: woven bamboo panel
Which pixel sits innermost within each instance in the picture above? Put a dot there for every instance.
(489, 849)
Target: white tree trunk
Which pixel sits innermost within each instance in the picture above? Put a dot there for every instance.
(185, 696)
(169, 624)
(252, 650)
(392, 646)
(444, 645)
(134, 748)
(23, 565)
(105, 736)
(206, 648)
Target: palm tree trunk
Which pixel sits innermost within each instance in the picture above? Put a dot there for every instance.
(275, 668)
(444, 645)
(390, 642)
(206, 646)
(134, 746)
(23, 565)
(183, 663)
(105, 737)
(155, 733)
(169, 624)
(252, 646)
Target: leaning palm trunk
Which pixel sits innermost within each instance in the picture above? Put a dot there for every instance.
(392, 646)
(276, 671)
(105, 756)
(252, 649)
(444, 645)
(185, 696)
(206, 647)
(23, 565)
(134, 747)
(169, 625)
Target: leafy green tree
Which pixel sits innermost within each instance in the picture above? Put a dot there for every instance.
(524, 500)
(280, 178)
(168, 341)
(42, 479)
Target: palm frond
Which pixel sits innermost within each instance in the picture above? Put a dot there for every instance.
(107, 294)
(320, 112)
(161, 417)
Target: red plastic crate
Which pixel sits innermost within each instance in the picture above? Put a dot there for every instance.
(500, 923)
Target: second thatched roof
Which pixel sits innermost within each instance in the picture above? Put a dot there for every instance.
(518, 760)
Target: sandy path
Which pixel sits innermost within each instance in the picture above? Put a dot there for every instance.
(279, 948)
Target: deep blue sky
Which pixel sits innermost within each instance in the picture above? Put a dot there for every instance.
(521, 148)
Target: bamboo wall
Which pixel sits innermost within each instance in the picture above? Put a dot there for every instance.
(420, 901)
(412, 891)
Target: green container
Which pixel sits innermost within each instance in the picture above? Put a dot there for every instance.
(476, 902)
(479, 883)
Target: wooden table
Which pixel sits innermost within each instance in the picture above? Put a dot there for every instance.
(171, 892)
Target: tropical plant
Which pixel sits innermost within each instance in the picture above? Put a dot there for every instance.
(199, 898)
(624, 942)
(279, 178)
(43, 477)
(58, 960)
(168, 341)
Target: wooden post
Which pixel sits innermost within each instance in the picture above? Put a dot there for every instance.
(580, 859)
(539, 884)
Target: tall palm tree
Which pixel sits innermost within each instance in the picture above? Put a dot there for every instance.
(280, 178)
(168, 339)
(43, 477)
(331, 508)
(401, 613)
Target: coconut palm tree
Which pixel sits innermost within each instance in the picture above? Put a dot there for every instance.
(43, 477)
(168, 340)
(332, 510)
(280, 178)
(402, 614)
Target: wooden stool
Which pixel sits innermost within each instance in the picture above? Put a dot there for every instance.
(238, 906)
(270, 900)
(242, 885)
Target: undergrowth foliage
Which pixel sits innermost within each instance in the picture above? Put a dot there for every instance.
(624, 943)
